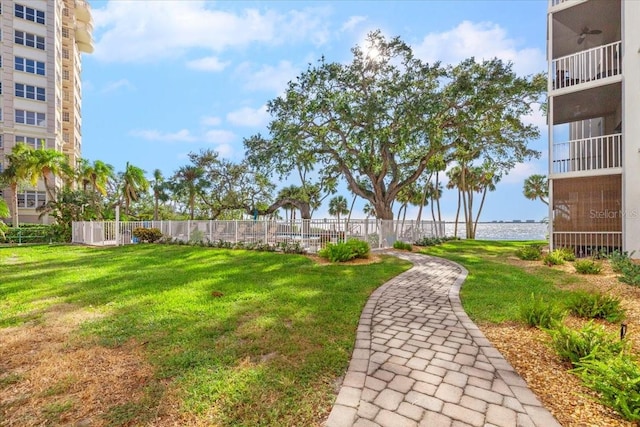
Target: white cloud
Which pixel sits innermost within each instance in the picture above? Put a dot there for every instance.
(484, 40)
(270, 78)
(249, 117)
(536, 118)
(210, 63)
(520, 172)
(225, 150)
(182, 135)
(218, 136)
(113, 86)
(211, 121)
(352, 23)
(135, 31)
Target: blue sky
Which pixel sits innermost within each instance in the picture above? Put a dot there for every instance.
(171, 77)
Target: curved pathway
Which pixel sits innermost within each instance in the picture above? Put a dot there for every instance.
(420, 361)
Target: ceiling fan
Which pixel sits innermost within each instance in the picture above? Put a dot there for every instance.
(586, 32)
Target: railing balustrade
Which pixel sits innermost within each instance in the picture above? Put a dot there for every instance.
(588, 65)
(309, 234)
(588, 243)
(601, 152)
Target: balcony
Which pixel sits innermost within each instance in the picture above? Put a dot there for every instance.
(83, 11)
(588, 154)
(83, 37)
(561, 4)
(587, 66)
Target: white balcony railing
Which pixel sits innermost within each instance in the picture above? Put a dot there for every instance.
(589, 65)
(587, 243)
(554, 3)
(601, 152)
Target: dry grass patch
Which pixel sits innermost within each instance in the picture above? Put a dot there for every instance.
(55, 381)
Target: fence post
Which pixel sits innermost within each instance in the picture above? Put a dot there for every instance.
(188, 230)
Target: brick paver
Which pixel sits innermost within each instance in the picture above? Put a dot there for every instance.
(420, 361)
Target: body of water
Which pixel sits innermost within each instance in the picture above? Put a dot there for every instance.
(504, 230)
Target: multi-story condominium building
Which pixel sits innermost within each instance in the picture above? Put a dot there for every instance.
(40, 89)
(594, 124)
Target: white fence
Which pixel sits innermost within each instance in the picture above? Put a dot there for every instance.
(310, 234)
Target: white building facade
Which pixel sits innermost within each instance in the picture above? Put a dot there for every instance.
(594, 124)
(41, 93)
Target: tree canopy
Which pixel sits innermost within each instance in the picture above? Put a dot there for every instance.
(377, 121)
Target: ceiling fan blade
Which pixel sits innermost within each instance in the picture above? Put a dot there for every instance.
(594, 32)
(581, 38)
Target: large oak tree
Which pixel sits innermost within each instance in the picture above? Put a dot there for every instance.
(377, 121)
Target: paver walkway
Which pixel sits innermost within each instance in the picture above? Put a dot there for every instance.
(420, 361)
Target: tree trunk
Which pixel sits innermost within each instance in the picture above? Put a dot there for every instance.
(455, 228)
(14, 205)
(355, 196)
(475, 225)
(155, 210)
(438, 198)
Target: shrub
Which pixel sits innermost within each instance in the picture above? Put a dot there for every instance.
(619, 260)
(593, 341)
(567, 254)
(403, 246)
(538, 313)
(596, 306)
(434, 241)
(617, 381)
(588, 266)
(291, 248)
(360, 248)
(554, 258)
(630, 274)
(148, 235)
(345, 251)
(529, 252)
(35, 233)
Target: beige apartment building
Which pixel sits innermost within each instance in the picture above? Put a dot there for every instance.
(594, 124)
(40, 93)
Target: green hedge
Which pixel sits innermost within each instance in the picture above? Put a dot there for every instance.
(36, 233)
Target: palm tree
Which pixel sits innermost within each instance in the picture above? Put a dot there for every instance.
(338, 206)
(536, 187)
(455, 181)
(186, 183)
(133, 183)
(16, 172)
(159, 188)
(4, 213)
(46, 163)
(369, 210)
(486, 180)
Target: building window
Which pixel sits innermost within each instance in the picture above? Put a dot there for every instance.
(30, 66)
(30, 118)
(65, 32)
(30, 14)
(65, 116)
(31, 199)
(1, 139)
(65, 74)
(30, 92)
(65, 53)
(28, 39)
(28, 140)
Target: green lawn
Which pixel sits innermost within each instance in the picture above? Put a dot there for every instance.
(243, 338)
(495, 288)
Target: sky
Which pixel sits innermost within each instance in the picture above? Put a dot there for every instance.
(172, 77)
